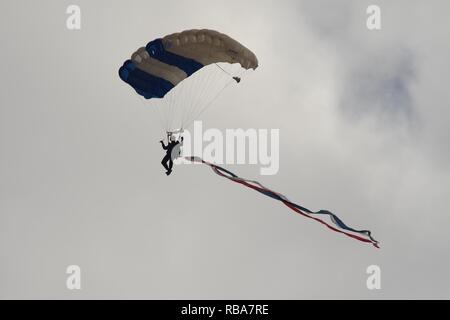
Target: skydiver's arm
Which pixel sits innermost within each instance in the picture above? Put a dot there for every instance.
(163, 145)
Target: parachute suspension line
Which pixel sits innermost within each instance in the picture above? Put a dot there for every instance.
(235, 78)
(209, 103)
(185, 94)
(207, 85)
(188, 99)
(193, 96)
(171, 109)
(223, 70)
(160, 106)
(203, 104)
(194, 103)
(166, 109)
(202, 85)
(188, 96)
(336, 224)
(171, 104)
(212, 85)
(174, 105)
(162, 109)
(202, 80)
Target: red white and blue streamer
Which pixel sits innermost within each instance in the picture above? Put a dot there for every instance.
(336, 224)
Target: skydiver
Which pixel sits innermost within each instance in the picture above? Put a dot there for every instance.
(172, 152)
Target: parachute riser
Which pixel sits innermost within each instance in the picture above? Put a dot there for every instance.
(176, 133)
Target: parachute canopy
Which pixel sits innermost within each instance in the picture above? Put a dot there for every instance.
(203, 61)
(163, 63)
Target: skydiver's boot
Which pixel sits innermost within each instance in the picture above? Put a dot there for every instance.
(169, 169)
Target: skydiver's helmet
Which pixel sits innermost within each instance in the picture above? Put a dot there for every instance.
(173, 138)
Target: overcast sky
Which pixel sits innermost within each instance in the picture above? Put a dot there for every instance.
(363, 118)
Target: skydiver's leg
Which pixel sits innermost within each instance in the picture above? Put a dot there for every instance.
(169, 170)
(164, 162)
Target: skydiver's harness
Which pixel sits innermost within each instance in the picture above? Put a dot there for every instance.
(178, 132)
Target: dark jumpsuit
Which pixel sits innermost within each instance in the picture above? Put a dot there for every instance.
(168, 156)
